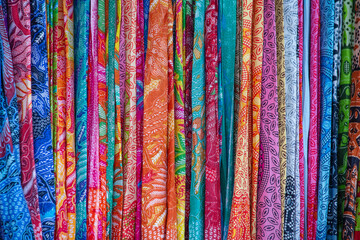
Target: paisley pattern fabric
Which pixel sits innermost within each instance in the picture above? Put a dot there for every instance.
(15, 220)
(154, 172)
(212, 211)
(19, 31)
(197, 189)
(81, 36)
(314, 132)
(292, 196)
(352, 170)
(43, 152)
(332, 218)
(347, 45)
(269, 211)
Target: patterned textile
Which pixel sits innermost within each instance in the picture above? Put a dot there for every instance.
(81, 38)
(292, 195)
(240, 209)
(280, 60)
(347, 45)
(180, 149)
(227, 35)
(212, 211)
(314, 132)
(332, 218)
(19, 31)
(269, 212)
(15, 220)
(43, 152)
(197, 189)
(326, 71)
(350, 208)
(154, 174)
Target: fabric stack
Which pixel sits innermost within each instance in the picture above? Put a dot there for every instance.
(179, 119)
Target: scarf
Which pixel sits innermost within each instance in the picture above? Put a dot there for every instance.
(13, 196)
(197, 189)
(280, 60)
(326, 65)
(43, 153)
(227, 24)
(269, 212)
(81, 31)
(130, 141)
(139, 108)
(240, 209)
(332, 218)
(93, 127)
(212, 211)
(314, 131)
(110, 75)
(156, 131)
(180, 149)
(118, 187)
(292, 195)
(347, 45)
(351, 192)
(19, 31)
(189, 42)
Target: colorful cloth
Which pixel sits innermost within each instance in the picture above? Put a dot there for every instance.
(347, 45)
(269, 212)
(81, 37)
(43, 152)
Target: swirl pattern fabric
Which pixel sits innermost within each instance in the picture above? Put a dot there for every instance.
(11, 193)
(350, 208)
(344, 105)
(326, 69)
(43, 152)
(81, 36)
(212, 213)
(19, 31)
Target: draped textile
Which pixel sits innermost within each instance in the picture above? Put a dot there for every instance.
(154, 173)
(332, 218)
(180, 148)
(227, 35)
(280, 58)
(197, 188)
(110, 82)
(189, 42)
(11, 195)
(347, 45)
(93, 127)
(314, 132)
(269, 212)
(351, 199)
(139, 109)
(43, 152)
(19, 31)
(239, 225)
(81, 36)
(212, 213)
(326, 71)
(118, 187)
